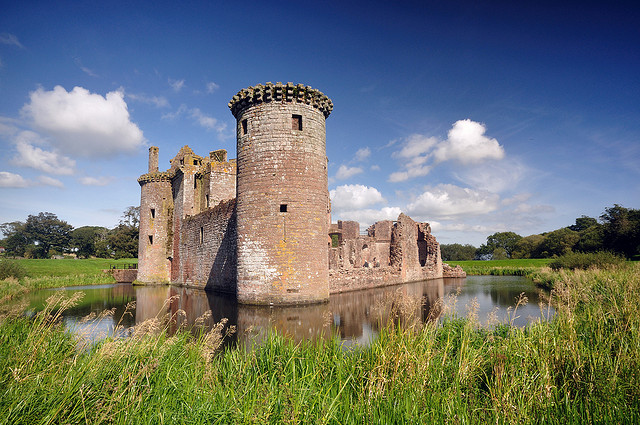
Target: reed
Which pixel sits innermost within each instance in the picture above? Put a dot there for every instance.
(581, 366)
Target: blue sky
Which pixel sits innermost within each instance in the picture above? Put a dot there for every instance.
(476, 118)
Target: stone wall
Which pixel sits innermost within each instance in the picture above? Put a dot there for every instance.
(208, 249)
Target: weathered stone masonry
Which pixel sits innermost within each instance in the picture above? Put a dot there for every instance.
(260, 227)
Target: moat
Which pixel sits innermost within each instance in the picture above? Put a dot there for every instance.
(354, 317)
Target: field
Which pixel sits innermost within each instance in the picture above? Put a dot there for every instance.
(581, 367)
(520, 267)
(58, 273)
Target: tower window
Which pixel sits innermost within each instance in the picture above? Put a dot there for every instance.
(153, 213)
(150, 239)
(207, 198)
(195, 162)
(244, 127)
(296, 122)
(283, 207)
(201, 234)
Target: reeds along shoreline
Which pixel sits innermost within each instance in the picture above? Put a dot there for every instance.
(582, 366)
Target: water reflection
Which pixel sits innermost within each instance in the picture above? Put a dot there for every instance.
(354, 317)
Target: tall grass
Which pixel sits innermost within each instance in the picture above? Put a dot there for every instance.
(582, 366)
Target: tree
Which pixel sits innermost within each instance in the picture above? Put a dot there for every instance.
(457, 252)
(583, 223)
(123, 239)
(15, 241)
(505, 240)
(84, 240)
(47, 232)
(528, 247)
(558, 242)
(621, 230)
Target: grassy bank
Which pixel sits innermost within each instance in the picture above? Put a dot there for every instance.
(520, 267)
(58, 273)
(581, 367)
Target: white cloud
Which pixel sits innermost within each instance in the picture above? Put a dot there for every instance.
(95, 181)
(82, 123)
(363, 153)
(375, 168)
(157, 101)
(366, 217)
(494, 176)
(354, 196)
(8, 179)
(467, 144)
(206, 121)
(176, 85)
(447, 201)
(10, 39)
(39, 159)
(211, 87)
(344, 172)
(50, 181)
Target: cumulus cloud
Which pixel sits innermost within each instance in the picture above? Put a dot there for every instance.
(95, 181)
(344, 172)
(176, 85)
(466, 144)
(157, 101)
(354, 196)
(363, 153)
(83, 123)
(40, 159)
(447, 201)
(50, 181)
(366, 217)
(8, 179)
(211, 87)
(11, 40)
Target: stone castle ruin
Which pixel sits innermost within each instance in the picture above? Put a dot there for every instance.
(259, 226)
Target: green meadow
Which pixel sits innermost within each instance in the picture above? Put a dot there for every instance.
(49, 273)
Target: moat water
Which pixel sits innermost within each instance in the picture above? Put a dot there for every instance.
(354, 317)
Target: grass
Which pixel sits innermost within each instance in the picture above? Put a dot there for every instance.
(583, 366)
(57, 273)
(520, 267)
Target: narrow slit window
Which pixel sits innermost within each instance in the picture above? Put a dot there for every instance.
(201, 234)
(150, 239)
(153, 213)
(283, 207)
(244, 127)
(207, 198)
(296, 122)
(195, 183)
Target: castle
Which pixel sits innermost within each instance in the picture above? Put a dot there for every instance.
(259, 226)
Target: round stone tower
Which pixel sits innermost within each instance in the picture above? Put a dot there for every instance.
(282, 194)
(156, 204)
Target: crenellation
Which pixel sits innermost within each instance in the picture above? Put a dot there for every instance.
(259, 226)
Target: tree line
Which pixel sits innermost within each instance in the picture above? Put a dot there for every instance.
(45, 235)
(616, 231)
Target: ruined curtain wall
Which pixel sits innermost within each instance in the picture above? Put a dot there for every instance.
(208, 249)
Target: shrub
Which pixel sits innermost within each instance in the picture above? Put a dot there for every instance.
(11, 269)
(584, 261)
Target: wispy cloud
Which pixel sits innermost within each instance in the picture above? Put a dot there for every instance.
(95, 181)
(11, 40)
(176, 85)
(157, 101)
(345, 172)
(34, 157)
(212, 87)
(50, 181)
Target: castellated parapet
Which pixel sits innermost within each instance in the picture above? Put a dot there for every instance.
(259, 227)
